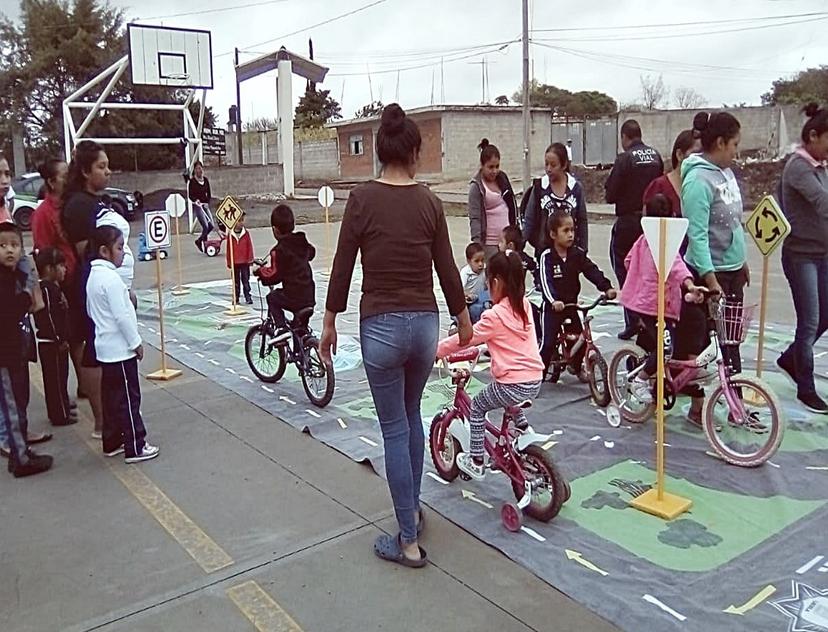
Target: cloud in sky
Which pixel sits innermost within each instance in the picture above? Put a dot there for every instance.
(735, 59)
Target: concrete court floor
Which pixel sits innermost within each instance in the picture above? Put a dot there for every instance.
(242, 519)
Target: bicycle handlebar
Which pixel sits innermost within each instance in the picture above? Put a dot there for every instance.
(601, 300)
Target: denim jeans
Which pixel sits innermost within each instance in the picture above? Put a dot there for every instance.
(808, 278)
(477, 308)
(398, 351)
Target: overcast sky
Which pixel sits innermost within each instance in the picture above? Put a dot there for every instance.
(725, 57)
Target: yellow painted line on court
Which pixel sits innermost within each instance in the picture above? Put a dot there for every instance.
(261, 609)
(201, 547)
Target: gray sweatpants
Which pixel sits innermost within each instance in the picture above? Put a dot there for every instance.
(496, 395)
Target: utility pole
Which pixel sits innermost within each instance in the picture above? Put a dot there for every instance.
(238, 112)
(526, 111)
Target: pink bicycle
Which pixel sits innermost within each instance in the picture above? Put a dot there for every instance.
(741, 415)
(538, 486)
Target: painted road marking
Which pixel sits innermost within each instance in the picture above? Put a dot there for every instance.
(533, 534)
(373, 444)
(436, 478)
(213, 362)
(183, 346)
(473, 497)
(267, 388)
(548, 445)
(577, 557)
(806, 567)
(199, 354)
(201, 547)
(650, 599)
(229, 370)
(261, 609)
(342, 424)
(313, 413)
(816, 468)
(245, 378)
(754, 601)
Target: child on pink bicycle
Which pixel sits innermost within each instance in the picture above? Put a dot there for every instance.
(640, 296)
(509, 332)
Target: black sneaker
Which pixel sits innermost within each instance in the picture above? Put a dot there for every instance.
(628, 333)
(814, 403)
(785, 362)
(35, 465)
(199, 245)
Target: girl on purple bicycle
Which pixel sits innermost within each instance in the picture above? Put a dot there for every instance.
(509, 332)
(640, 297)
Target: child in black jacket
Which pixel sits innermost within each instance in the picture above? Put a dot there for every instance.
(561, 267)
(52, 337)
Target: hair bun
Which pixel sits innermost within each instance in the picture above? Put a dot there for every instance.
(811, 110)
(700, 121)
(483, 144)
(393, 118)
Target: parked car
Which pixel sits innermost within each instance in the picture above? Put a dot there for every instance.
(28, 187)
(22, 206)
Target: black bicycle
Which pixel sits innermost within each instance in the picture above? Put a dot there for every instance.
(268, 352)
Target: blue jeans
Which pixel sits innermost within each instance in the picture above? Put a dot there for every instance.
(808, 278)
(398, 351)
(476, 309)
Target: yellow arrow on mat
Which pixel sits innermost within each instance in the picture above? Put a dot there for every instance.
(574, 555)
(758, 598)
(471, 496)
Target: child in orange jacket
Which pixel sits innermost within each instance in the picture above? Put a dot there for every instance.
(242, 258)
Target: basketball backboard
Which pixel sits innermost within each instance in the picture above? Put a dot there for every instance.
(164, 56)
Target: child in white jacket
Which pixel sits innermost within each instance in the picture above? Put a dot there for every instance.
(117, 348)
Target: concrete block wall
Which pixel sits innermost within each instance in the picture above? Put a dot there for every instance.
(462, 132)
(246, 180)
(316, 160)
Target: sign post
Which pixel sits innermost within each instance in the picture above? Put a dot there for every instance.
(228, 213)
(176, 206)
(326, 200)
(664, 238)
(768, 227)
(157, 232)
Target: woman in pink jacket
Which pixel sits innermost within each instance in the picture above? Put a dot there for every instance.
(509, 332)
(640, 295)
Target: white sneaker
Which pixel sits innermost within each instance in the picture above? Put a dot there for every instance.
(641, 390)
(469, 467)
(115, 452)
(281, 334)
(149, 452)
(96, 434)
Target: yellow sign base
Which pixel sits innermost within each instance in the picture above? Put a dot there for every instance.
(667, 508)
(180, 291)
(235, 311)
(163, 375)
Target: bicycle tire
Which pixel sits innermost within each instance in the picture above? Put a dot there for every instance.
(541, 459)
(445, 470)
(252, 349)
(598, 374)
(315, 363)
(619, 393)
(711, 425)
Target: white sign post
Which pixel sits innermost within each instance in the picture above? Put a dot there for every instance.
(158, 235)
(664, 238)
(326, 199)
(176, 206)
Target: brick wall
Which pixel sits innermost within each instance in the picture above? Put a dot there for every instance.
(431, 154)
(223, 180)
(462, 132)
(316, 160)
(356, 166)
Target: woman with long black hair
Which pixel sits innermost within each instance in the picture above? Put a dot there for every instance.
(491, 200)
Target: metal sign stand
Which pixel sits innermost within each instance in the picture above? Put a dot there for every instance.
(176, 205)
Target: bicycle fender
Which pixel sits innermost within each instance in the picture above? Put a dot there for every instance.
(530, 437)
(460, 431)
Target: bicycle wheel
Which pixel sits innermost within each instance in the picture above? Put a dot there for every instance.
(550, 494)
(443, 455)
(746, 438)
(317, 377)
(625, 360)
(265, 360)
(598, 374)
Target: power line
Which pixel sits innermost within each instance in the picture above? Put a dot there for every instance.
(313, 26)
(217, 10)
(672, 24)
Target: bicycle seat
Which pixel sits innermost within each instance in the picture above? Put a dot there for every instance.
(464, 355)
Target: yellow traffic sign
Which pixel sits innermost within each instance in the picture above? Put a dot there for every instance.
(229, 212)
(768, 225)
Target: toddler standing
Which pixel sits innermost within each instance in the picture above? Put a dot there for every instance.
(242, 258)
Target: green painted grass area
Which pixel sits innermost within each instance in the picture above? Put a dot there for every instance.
(719, 527)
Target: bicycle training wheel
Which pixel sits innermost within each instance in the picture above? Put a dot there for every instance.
(551, 493)
(265, 360)
(598, 375)
(625, 360)
(317, 377)
(747, 437)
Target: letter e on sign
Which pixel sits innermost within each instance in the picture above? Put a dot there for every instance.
(157, 229)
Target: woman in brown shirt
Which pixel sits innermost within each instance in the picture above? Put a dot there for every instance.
(399, 228)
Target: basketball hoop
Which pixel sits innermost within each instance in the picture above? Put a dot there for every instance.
(175, 76)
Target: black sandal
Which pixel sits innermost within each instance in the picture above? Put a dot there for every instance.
(389, 548)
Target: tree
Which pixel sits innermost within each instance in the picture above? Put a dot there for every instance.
(654, 94)
(317, 107)
(566, 103)
(809, 85)
(372, 109)
(502, 100)
(688, 98)
(261, 124)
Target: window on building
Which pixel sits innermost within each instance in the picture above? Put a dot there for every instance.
(356, 145)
